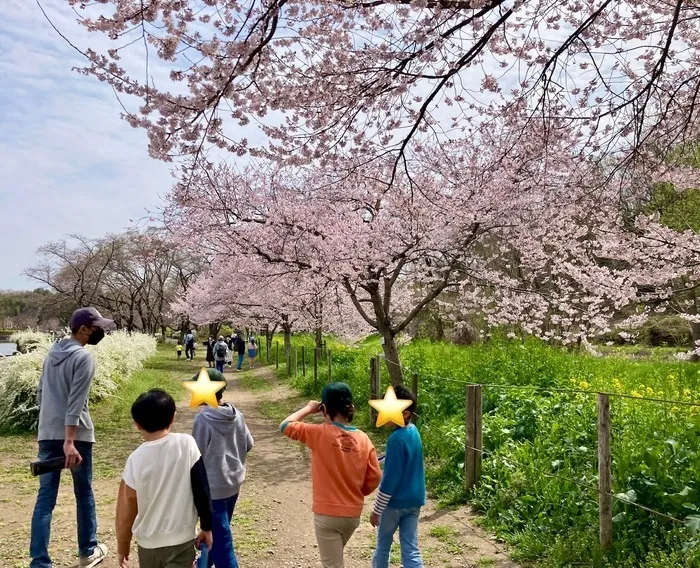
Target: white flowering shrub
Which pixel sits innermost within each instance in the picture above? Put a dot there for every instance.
(28, 340)
(117, 357)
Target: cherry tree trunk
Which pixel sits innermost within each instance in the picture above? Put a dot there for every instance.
(319, 338)
(391, 355)
(287, 339)
(214, 329)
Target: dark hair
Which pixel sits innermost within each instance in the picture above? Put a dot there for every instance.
(220, 394)
(153, 410)
(402, 393)
(345, 409)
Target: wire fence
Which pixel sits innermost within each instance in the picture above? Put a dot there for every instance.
(545, 389)
(323, 355)
(588, 487)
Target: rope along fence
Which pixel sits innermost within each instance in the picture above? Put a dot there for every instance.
(474, 439)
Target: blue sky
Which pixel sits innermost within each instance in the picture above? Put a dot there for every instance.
(68, 163)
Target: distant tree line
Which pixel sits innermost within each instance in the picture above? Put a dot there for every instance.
(132, 277)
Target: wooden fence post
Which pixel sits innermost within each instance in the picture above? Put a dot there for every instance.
(330, 365)
(288, 359)
(415, 386)
(316, 349)
(472, 454)
(277, 354)
(604, 472)
(303, 361)
(296, 361)
(372, 388)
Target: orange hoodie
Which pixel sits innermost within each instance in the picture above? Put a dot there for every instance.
(344, 466)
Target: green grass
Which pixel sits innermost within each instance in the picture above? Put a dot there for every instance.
(112, 415)
(254, 383)
(247, 538)
(536, 435)
(449, 537)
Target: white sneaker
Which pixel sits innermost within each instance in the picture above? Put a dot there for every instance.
(97, 556)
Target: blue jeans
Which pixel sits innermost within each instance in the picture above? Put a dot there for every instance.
(222, 554)
(220, 366)
(240, 361)
(46, 501)
(406, 520)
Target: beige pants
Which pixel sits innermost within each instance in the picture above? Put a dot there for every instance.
(332, 534)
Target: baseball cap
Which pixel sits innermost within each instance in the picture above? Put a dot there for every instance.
(337, 395)
(214, 376)
(90, 317)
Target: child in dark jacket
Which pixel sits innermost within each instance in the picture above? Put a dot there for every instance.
(401, 493)
(224, 440)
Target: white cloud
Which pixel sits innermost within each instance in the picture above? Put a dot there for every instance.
(68, 163)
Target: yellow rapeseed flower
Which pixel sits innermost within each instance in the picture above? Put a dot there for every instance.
(583, 385)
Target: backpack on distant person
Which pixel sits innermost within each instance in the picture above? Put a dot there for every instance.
(221, 350)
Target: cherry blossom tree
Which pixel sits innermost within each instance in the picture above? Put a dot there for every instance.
(299, 81)
(244, 288)
(394, 248)
(400, 149)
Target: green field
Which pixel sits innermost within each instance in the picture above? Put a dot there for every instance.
(538, 488)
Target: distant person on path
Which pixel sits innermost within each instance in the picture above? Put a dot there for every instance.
(210, 351)
(239, 347)
(220, 352)
(163, 490)
(189, 345)
(179, 349)
(224, 441)
(344, 468)
(252, 351)
(402, 491)
(66, 429)
(229, 356)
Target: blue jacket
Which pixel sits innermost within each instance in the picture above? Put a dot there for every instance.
(403, 481)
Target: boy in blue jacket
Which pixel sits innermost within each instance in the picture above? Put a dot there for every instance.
(401, 492)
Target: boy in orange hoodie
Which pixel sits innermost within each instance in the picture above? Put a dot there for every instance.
(344, 468)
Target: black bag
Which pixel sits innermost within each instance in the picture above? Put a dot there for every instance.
(220, 350)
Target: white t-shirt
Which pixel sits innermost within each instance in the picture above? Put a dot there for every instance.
(159, 472)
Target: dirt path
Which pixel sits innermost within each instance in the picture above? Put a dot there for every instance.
(273, 526)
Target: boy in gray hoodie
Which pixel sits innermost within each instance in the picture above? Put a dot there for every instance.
(224, 442)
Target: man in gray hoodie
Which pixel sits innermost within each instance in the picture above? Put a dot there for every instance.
(66, 430)
(224, 441)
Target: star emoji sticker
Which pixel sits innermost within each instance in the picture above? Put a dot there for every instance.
(203, 389)
(390, 408)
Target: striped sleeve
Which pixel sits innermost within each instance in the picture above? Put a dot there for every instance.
(381, 503)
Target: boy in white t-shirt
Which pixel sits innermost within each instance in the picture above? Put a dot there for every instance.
(163, 491)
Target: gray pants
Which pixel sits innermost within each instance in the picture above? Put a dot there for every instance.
(178, 556)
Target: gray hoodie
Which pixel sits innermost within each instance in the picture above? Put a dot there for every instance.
(224, 441)
(63, 392)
